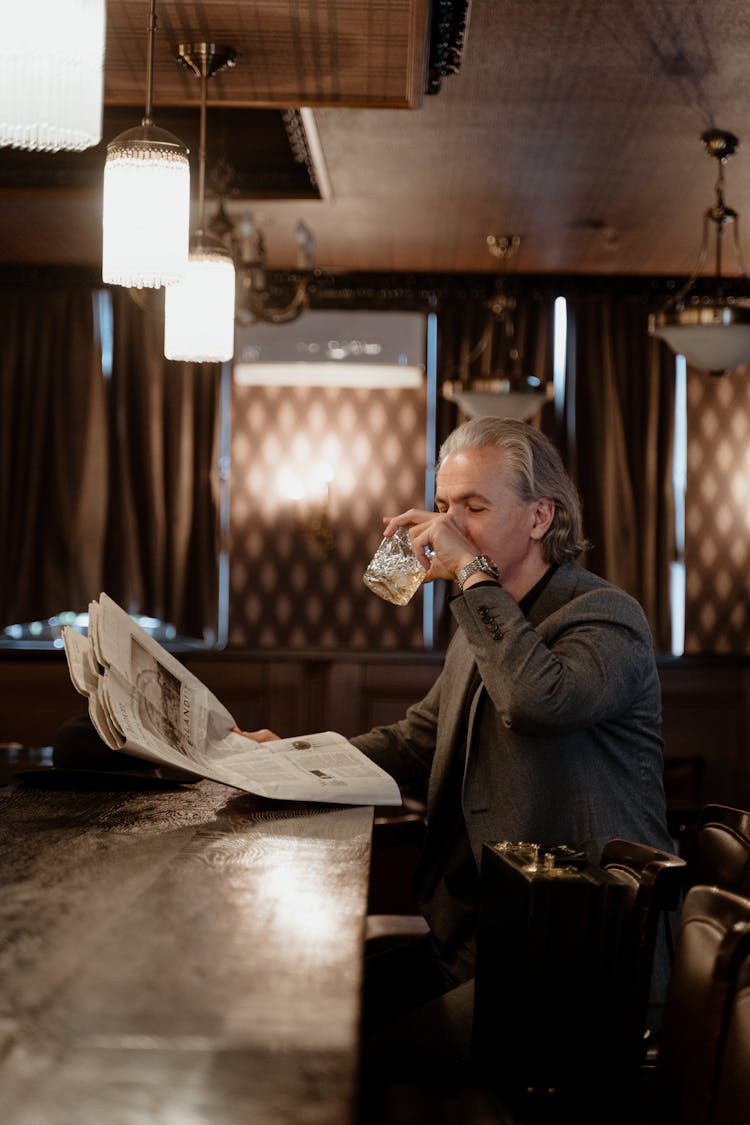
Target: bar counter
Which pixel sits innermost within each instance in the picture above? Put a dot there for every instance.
(178, 955)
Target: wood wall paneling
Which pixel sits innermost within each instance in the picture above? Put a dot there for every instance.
(706, 706)
(707, 740)
(36, 696)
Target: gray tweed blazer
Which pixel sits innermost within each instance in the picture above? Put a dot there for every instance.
(560, 742)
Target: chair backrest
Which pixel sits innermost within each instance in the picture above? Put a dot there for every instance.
(713, 927)
(655, 879)
(722, 849)
(732, 1099)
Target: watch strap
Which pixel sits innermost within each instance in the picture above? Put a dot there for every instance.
(481, 562)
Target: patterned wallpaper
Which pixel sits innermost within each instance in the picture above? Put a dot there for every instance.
(295, 585)
(299, 546)
(717, 514)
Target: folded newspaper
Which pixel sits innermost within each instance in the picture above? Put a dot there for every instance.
(143, 701)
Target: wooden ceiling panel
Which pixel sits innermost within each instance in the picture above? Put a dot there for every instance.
(574, 124)
(290, 52)
(249, 154)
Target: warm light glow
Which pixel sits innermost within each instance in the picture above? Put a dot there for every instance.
(306, 909)
(311, 483)
(290, 486)
(146, 215)
(51, 85)
(199, 310)
(323, 472)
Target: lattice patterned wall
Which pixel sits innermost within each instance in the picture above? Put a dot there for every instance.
(287, 590)
(717, 515)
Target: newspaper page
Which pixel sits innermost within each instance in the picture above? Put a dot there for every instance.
(143, 701)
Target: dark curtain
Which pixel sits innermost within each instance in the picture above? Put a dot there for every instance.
(53, 444)
(107, 483)
(112, 484)
(161, 553)
(617, 440)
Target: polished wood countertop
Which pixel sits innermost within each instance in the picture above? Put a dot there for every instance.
(178, 955)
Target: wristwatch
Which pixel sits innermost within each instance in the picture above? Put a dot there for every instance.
(481, 562)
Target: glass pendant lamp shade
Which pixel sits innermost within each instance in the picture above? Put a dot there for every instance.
(146, 203)
(51, 74)
(146, 209)
(711, 331)
(713, 337)
(199, 309)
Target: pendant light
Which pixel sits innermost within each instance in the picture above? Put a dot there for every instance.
(199, 309)
(712, 331)
(51, 74)
(146, 199)
(504, 387)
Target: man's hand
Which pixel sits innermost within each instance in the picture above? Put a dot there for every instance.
(258, 735)
(436, 531)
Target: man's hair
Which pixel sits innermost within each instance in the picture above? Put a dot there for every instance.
(536, 470)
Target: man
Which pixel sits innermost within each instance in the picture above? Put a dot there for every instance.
(544, 722)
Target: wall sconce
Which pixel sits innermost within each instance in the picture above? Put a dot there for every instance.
(256, 300)
(51, 74)
(146, 199)
(312, 497)
(712, 332)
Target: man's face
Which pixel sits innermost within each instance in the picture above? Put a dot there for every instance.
(476, 490)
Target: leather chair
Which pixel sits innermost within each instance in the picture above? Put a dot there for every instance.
(655, 880)
(700, 1009)
(722, 849)
(732, 1099)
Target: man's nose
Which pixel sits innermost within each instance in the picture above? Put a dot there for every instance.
(457, 515)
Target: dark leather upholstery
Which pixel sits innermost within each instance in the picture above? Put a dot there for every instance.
(656, 880)
(713, 927)
(722, 850)
(732, 1101)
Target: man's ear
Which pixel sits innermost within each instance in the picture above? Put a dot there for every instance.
(544, 513)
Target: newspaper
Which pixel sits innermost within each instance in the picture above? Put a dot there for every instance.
(143, 701)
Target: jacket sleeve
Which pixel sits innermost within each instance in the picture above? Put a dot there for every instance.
(586, 663)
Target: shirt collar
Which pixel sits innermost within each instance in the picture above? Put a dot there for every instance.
(528, 599)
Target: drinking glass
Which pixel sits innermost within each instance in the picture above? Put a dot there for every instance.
(395, 573)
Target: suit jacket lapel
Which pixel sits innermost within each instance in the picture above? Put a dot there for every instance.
(457, 706)
(558, 591)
